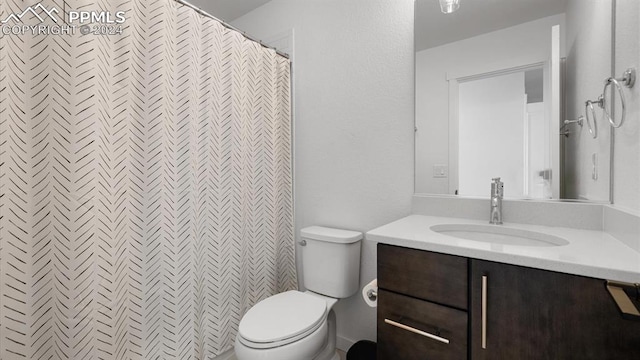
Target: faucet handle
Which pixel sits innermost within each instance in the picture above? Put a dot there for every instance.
(497, 187)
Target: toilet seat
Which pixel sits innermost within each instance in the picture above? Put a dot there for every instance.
(282, 319)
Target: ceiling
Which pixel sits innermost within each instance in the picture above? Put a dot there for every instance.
(432, 27)
(475, 17)
(228, 10)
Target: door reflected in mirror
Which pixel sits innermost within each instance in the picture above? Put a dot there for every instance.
(503, 130)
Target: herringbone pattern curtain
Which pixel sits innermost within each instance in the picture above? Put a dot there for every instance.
(145, 185)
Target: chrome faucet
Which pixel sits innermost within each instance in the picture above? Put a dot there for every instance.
(497, 192)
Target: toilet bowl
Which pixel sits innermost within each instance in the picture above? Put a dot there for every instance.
(289, 326)
(297, 325)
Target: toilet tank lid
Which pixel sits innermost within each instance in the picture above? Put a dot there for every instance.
(331, 235)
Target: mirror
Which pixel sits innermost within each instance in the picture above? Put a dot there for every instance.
(498, 86)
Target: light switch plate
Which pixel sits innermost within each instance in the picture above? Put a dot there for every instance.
(440, 171)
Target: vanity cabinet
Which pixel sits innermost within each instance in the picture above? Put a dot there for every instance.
(422, 305)
(415, 329)
(539, 314)
(524, 314)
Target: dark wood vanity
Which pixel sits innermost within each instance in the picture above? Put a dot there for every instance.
(441, 307)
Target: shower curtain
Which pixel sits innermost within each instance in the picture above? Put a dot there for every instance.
(145, 183)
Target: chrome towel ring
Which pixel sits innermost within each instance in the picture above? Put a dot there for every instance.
(628, 79)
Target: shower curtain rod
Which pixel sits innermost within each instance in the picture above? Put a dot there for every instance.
(230, 27)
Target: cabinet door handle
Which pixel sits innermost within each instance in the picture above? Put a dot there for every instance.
(416, 331)
(484, 311)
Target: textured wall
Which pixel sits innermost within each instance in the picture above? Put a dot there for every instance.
(353, 95)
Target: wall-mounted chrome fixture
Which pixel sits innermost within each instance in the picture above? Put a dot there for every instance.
(449, 6)
(592, 124)
(628, 79)
(566, 123)
(579, 121)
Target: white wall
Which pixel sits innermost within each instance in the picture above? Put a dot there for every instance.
(588, 41)
(353, 94)
(527, 43)
(627, 138)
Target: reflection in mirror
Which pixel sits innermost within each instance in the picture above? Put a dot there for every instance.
(501, 118)
(489, 100)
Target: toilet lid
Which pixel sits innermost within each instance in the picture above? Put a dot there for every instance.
(282, 316)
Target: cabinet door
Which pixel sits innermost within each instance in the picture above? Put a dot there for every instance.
(538, 314)
(414, 329)
(425, 275)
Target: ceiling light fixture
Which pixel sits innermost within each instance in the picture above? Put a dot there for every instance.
(449, 6)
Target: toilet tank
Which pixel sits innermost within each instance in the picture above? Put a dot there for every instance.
(331, 261)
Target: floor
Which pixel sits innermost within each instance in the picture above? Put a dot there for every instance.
(343, 355)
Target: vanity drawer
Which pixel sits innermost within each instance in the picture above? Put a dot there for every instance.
(405, 323)
(426, 275)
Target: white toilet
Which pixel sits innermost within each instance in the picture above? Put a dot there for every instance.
(298, 325)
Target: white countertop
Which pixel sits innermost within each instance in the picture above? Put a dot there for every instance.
(589, 253)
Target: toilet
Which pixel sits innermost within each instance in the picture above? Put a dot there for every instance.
(297, 325)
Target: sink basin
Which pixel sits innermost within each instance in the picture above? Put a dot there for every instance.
(497, 234)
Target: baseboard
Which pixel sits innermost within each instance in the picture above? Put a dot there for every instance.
(344, 343)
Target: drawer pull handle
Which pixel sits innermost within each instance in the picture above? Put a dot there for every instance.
(416, 331)
(626, 306)
(484, 311)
